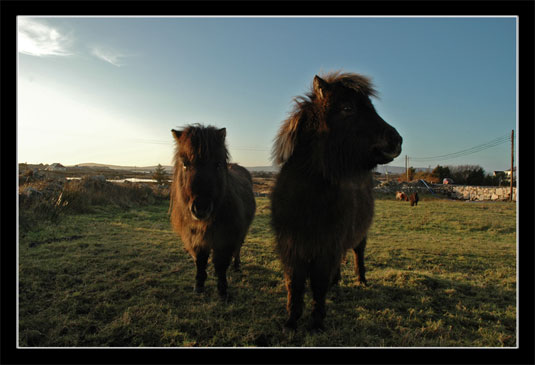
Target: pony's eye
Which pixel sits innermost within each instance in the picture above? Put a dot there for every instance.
(185, 165)
(347, 108)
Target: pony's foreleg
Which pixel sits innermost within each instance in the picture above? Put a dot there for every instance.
(237, 260)
(323, 273)
(201, 260)
(221, 261)
(360, 270)
(295, 278)
(336, 278)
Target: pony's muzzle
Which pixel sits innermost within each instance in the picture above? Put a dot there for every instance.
(201, 208)
(393, 144)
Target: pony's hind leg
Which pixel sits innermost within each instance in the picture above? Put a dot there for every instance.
(360, 270)
(201, 260)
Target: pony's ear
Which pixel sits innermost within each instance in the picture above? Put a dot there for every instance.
(176, 134)
(222, 132)
(320, 86)
(285, 141)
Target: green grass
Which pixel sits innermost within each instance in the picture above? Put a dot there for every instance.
(441, 274)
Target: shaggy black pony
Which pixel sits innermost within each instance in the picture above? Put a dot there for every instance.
(322, 203)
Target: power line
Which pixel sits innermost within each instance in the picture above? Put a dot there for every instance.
(490, 144)
(474, 149)
(495, 142)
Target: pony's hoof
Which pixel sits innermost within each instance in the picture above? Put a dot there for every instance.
(316, 326)
(198, 289)
(290, 325)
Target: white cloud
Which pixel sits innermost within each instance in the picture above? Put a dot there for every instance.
(38, 39)
(108, 55)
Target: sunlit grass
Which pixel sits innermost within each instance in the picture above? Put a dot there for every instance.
(441, 274)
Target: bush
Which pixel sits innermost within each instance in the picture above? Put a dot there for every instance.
(428, 177)
(160, 175)
(440, 173)
(92, 191)
(47, 201)
(36, 206)
(472, 175)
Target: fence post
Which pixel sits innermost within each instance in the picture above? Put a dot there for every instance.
(512, 160)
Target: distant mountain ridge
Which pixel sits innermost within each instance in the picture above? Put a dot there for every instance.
(119, 167)
(382, 169)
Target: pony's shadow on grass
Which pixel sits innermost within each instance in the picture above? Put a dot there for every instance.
(380, 310)
(251, 283)
(253, 312)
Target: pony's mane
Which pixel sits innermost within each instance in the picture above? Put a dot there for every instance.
(357, 82)
(205, 142)
(286, 137)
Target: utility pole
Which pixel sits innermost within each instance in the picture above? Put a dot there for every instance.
(407, 167)
(512, 161)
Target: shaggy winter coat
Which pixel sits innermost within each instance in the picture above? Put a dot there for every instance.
(212, 202)
(322, 202)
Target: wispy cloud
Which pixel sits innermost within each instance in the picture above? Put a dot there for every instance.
(38, 39)
(107, 54)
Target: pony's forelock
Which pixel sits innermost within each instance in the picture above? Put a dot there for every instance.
(357, 82)
(205, 141)
(284, 143)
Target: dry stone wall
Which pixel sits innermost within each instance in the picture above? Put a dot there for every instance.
(462, 192)
(480, 193)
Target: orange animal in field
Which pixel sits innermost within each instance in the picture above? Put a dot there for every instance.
(401, 196)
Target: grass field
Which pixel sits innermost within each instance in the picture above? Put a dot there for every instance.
(440, 274)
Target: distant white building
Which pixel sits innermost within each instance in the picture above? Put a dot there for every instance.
(56, 167)
(507, 173)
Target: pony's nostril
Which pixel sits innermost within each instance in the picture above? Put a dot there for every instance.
(201, 204)
(394, 141)
(201, 208)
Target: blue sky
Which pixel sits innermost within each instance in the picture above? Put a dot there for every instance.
(110, 89)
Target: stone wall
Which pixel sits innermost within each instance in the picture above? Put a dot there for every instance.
(462, 192)
(465, 192)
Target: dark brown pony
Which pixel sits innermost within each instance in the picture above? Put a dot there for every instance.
(212, 202)
(414, 199)
(322, 203)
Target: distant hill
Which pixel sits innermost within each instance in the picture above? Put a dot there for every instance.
(118, 167)
(262, 168)
(168, 169)
(382, 169)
